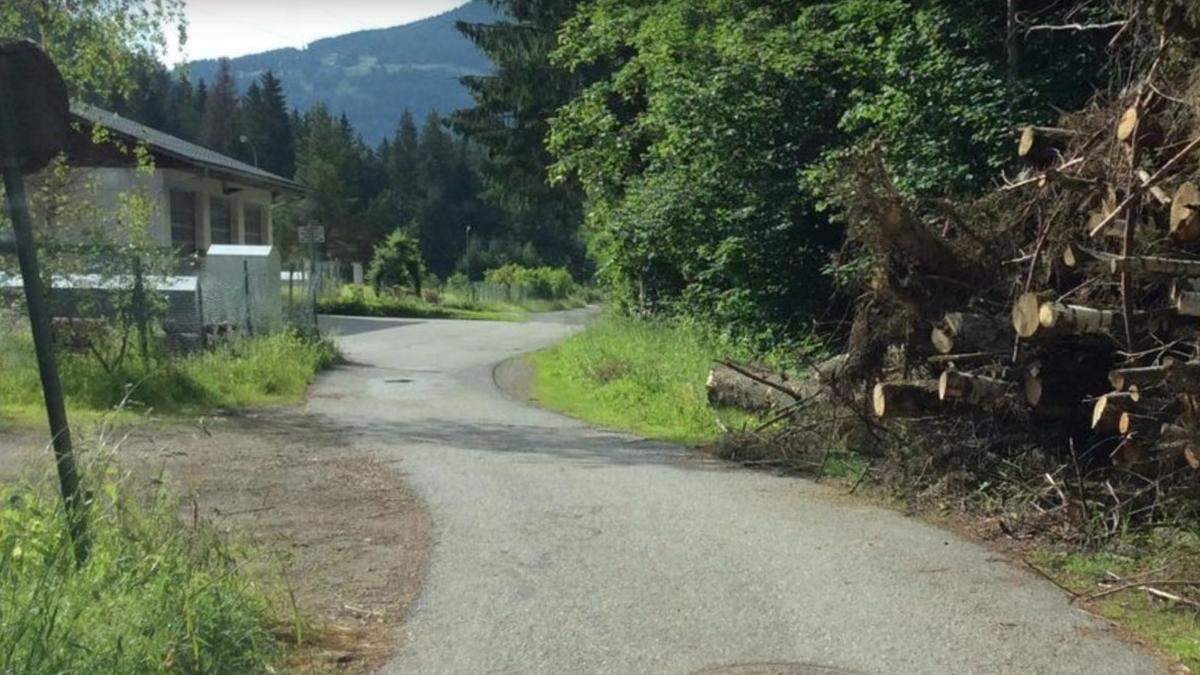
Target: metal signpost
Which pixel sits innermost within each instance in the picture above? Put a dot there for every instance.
(313, 235)
(34, 118)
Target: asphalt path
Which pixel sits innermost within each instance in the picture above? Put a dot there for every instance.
(560, 548)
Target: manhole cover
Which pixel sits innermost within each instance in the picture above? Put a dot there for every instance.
(775, 669)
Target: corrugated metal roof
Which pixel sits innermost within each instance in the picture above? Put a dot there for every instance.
(180, 149)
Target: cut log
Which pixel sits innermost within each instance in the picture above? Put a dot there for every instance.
(1106, 414)
(728, 388)
(1176, 377)
(1179, 286)
(1128, 124)
(1143, 426)
(1179, 443)
(1032, 384)
(972, 357)
(1187, 303)
(895, 400)
(1076, 319)
(973, 389)
(1042, 145)
(1025, 315)
(1129, 454)
(830, 370)
(1154, 266)
(757, 389)
(1086, 259)
(1185, 213)
(967, 331)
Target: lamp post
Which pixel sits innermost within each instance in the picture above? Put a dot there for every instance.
(253, 150)
(467, 262)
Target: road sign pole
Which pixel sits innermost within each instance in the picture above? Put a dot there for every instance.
(34, 124)
(312, 242)
(39, 320)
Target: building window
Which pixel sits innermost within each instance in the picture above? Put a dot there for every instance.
(254, 219)
(183, 221)
(220, 221)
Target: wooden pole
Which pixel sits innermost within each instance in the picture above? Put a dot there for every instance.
(43, 342)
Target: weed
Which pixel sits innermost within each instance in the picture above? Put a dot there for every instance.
(154, 595)
(1171, 555)
(252, 371)
(639, 376)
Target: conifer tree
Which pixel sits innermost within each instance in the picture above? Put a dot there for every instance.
(219, 122)
(510, 119)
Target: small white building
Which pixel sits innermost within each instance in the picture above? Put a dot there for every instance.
(203, 197)
(200, 202)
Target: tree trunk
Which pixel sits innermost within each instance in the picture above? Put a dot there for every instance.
(1185, 213)
(1176, 377)
(967, 332)
(1025, 315)
(1076, 319)
(1155, 266)
(1106, 414)
(973, 389)
(755, 389)
(729, 388)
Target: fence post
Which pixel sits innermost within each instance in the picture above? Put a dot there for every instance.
(200, 312)
(139, 308)
(291, 286)
(246, 292)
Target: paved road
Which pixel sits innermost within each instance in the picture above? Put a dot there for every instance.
(562, 549)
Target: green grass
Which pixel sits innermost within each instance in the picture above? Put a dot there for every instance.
(638, 376)
(154, 595)
(1175, 630)
(354, 300)
(251, 372)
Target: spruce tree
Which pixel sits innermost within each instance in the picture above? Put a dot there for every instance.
(510, 119)
(219, 123)
(277, 147)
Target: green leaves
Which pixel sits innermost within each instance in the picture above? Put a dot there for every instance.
(710, 153)
(397, 260)
(97, 44)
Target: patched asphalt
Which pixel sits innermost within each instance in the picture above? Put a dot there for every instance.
(560, 548)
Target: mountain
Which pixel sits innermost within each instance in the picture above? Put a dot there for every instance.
(373, 75)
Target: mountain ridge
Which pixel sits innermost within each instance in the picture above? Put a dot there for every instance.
(373, 75)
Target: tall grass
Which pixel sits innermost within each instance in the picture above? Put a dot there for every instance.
(447, 303)
(154, 595)
(246, 372)
(641, 376)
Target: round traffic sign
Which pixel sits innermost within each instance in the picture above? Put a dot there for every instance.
(34, 111)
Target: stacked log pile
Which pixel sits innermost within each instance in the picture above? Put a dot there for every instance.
(1062, 310)
(1078, 318)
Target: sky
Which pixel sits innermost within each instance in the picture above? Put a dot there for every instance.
(237, 27)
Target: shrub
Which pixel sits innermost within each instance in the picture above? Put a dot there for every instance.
(547, 283)
(397, 260)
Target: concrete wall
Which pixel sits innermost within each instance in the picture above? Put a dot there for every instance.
(207, 188)
(103, 190)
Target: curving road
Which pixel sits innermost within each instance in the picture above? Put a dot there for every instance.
(559, 548)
